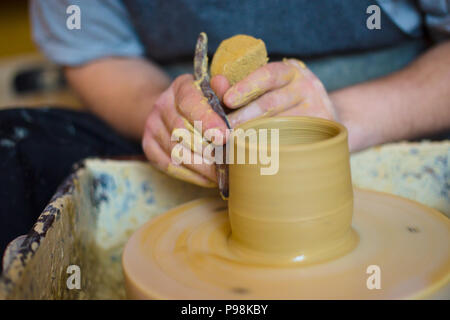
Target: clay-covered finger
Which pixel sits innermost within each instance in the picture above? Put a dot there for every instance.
(220, 85)
(171, 144)
(191, 143)
(183, 156)
(192, 140)
(158, 158)
(160, 133)
(269, 104)
(178, 130)
(193, 106)
(172, 121)
(176, 124)
(269, 77)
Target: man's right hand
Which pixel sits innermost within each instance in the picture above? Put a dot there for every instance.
(177, 108)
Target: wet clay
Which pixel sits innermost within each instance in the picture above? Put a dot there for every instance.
(303, 213)
(290, 235)
(238, 56)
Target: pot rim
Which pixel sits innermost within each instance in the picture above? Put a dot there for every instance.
(338, 138)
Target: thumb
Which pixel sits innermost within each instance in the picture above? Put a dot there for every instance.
(220, 85)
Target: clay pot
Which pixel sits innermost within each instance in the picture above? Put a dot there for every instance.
(303, 213)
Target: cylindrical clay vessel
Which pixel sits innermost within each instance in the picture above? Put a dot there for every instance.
(301, 214)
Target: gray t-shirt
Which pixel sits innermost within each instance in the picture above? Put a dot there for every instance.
(166, 30)
(330, 35)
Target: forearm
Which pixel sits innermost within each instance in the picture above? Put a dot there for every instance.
(407, 104)
(121, 91)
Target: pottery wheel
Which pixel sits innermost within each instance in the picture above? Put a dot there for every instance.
(185, 254)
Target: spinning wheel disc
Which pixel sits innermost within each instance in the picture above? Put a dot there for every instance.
(185, 254)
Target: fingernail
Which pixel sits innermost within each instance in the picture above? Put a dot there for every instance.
(301, 63)
(230, 97)
(293, 60)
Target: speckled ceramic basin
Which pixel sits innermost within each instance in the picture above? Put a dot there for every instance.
(87, 223)
(98, 207)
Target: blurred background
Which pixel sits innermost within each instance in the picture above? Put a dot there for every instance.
(26, 77)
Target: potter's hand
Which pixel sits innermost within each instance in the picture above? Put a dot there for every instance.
(286, 88)
(177, 108)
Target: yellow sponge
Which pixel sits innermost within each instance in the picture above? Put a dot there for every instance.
(238, 56)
